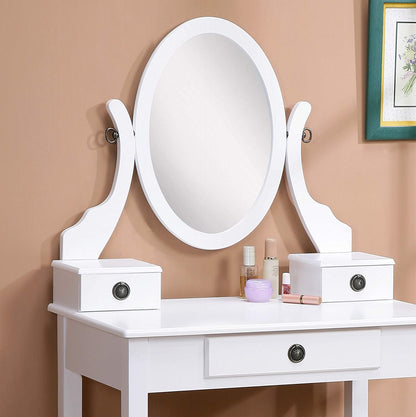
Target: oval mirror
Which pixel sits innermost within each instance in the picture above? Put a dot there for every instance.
(210, 133)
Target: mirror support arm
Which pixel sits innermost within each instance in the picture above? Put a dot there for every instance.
(87, 238)
(326, 232)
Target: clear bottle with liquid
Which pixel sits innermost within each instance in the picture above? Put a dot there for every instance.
(248, 269)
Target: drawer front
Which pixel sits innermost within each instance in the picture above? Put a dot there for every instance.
(260, 354)
(96, 292)
(336, 283)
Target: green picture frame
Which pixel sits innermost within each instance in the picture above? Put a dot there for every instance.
(391, 100)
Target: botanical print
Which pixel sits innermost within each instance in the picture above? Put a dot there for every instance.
(398, 73)
(409, 59)
(405, 79)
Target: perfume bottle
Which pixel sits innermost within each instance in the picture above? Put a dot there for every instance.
(248, 269)
(271, 265)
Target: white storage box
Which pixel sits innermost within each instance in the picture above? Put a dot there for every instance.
(106, 284)
(350, 276)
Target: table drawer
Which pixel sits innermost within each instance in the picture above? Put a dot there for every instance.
(106, 284)
(260, 354)
(96, 292)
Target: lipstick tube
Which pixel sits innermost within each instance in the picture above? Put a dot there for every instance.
(301, 299)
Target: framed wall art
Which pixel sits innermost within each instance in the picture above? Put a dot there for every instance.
(391, 70)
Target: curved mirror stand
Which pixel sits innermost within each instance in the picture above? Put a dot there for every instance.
(210, 140)
(210, 145)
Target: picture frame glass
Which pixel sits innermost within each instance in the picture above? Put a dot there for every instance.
(398, 91)
(391, 70)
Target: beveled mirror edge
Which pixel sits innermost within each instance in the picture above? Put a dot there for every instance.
(141, 118)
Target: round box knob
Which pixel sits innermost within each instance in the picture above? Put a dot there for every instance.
(121, 291)
(357, 282)
(296, 353)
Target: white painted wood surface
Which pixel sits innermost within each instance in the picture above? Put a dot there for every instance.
(262, 354)
(84, 343)
(328, 275)
(143, 352)
(87, 284)
(356, 398)
(172, 356)
(326, 232)
(134, 391)
(352, 342)
(69, 382)
(87, 238)
(222, 315)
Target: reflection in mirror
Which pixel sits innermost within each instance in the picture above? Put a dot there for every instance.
(210, 133)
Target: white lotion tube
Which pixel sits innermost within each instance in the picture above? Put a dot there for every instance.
(271, 265)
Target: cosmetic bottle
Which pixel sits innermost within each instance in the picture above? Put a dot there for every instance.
(258, 290)
(301, 299)
(248, 269)
(286, 283)
(271, 265)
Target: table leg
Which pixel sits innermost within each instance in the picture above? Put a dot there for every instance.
(134, 394)
(356, 398)
(69, 383)
(133, 402)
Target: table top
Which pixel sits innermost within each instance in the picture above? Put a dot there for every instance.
(201, 316)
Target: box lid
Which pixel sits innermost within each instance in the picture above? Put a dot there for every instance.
(106, 266)
(328, 260)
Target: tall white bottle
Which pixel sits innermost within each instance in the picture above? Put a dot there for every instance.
(271, 265)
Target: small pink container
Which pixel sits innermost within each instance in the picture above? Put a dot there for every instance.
(258, 290)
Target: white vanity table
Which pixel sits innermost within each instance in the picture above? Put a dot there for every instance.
(198, 344)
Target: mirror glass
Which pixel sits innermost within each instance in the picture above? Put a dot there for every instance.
(208, 135)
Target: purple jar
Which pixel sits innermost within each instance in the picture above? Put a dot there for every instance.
(258, 290)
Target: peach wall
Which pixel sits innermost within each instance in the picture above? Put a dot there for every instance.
(61, 61)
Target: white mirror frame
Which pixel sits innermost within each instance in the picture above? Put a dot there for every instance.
(141, 125)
